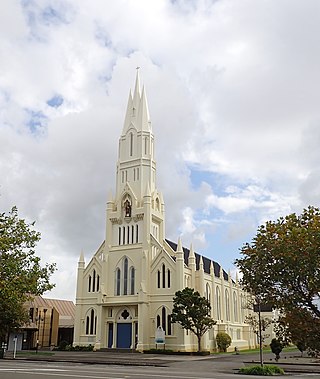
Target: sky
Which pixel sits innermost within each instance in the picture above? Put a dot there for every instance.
(233, 93)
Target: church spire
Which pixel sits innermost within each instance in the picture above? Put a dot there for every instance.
(136, 93)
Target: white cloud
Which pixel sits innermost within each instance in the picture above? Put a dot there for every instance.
(233, 96)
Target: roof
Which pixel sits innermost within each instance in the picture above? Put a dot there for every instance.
(206, 261)
(65, 308)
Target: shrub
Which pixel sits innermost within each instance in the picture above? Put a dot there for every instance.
(276, 347)
(223, 341)
(268, 370)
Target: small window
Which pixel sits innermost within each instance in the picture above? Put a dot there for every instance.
(164, 319)
(169, 325)
(125, 277)
(119, 235)
(159, 277)
(94, 281)
(89, 284)
(98, 282)
(124, 235)
(169, 278)
(132, 233)
(118, 281)
(131, 144)
(137, 233)
(163, 276)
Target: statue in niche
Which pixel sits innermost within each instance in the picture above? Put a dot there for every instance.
(127, 208)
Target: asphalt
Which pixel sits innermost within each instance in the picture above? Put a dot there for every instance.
(290, 362)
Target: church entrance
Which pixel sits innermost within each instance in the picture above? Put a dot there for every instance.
(124, 335)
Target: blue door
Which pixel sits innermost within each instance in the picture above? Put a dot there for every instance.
(124, 336)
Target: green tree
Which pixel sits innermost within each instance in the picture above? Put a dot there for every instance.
(281, 267)
(192, 312)
(21, 275)
(223, 341)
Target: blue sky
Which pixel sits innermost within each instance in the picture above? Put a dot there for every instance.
(233, 91)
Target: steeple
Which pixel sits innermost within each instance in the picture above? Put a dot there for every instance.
(136, 164)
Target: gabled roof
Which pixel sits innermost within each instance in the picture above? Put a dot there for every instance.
(206, 261)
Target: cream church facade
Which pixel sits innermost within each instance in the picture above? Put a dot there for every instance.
(124, 294)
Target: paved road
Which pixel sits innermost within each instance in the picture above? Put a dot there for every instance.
(62, 370)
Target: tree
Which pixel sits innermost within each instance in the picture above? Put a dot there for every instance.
(276, 347)
(281, 265)
(192, 312)
(21, 275)
(223, 341)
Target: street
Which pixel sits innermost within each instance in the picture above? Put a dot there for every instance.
(10, 369)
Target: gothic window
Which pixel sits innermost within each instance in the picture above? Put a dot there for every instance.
(119, 235)
(159, 278)
(89, 283)
(208, 293)
(137, 173)
(118, 281)
(131, 144)
(98, 283)
(94, 280)
(218, 298)
(132, 278)
(164, 319)
(163, 276)
(125, 276)
(91, 322)
(137, 233)
(227, 300)
(169, 278)
(128, 234)
(132, 233)
(124, 235)
(169, 325)
(235, 307)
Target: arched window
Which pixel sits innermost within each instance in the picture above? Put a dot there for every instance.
(132, 278)
(94, 280)
(98, 283)
(124, 235)
(159, 278)
(119, 235)
(131, 144)
(163, 276)
(227, 300)
(132, 233)
(91, 322)
(89, 283)
(125, 276)
(158, 321)
(208, 293)
(169, 325)
(128, 234)
(235, 307)
(137, 233)
(118, 281)
(87, 324)
(164, 319)
(218, 298)
(169, 278)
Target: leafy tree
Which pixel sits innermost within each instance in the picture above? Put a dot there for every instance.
(281, 264)
(192, 312)
(223, 341)
(300, 328)
(21, 275)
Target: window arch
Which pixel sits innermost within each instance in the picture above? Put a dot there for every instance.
(93, 280)
(118, 281)
(132, 279)
(91, 322)
(124, 278)
(218, 299)
(227, 300)
(159, 278)
(208, 293)
(235, 307)
(169, 278)
(89, 283)
(164, 320)
(131, 144)
(163, 276)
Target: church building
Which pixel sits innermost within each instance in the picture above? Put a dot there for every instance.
(125, 293)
